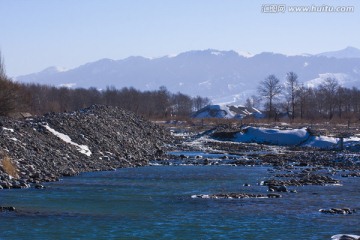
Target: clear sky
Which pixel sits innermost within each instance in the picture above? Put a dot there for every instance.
(35, 34)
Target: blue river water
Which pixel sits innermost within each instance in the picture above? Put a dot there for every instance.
(155, 203)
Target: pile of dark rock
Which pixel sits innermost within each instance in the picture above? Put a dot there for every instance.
(97, 138)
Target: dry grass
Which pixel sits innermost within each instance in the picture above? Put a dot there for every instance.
(9, 167)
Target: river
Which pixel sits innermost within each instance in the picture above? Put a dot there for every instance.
(155, 203)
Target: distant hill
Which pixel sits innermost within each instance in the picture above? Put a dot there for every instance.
(349, 52)
(223, 76)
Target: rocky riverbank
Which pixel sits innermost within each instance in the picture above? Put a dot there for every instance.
(97, 138)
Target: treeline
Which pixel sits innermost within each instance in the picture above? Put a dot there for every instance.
(327, 101)
(10, 93)
(39, 99)
(150, 104)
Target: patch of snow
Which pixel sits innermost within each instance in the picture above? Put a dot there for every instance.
(68, 85)
(306, 64)
(322, 142)
(245, 54)
(14, 139)
(54, 69)
(342, 78)
(81, 148)
(8, 129)
(305, 55)
(273, 136)
(217, 111)
(216, 53)
(61, 69)
(291, 137)
(226, 111)
(351, 139)
(172, 55)
(205, 83)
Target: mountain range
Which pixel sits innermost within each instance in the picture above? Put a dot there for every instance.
(223, 76)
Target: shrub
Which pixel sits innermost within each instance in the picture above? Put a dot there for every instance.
(9, 167)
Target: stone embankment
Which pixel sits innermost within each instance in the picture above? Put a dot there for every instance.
(98, 138)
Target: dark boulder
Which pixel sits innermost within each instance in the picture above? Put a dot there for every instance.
(7, 209)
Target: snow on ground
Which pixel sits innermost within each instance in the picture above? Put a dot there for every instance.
(81, 148)
(226, 111)
(8, 129)
(321, 142)
(273, 136)
(342, 78)
(215, 111)
(291, 137)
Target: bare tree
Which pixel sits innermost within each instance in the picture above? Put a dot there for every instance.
(181, 104)
(301, 92)
(270, 89)
(292, 86)
(9, 92)
(328, 91)
(200, 102)
(248, 103)
(162, 99)
(2, 68)
(253, 102)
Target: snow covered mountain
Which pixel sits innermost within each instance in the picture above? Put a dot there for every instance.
(349, 52)
(223, 76)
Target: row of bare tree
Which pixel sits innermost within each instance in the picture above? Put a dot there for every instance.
(150, 104)
(39, 99)
(326, 101)
(10, 96)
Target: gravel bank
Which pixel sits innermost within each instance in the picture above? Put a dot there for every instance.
(64, 144)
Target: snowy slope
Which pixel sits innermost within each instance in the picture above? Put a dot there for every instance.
(292, 137)
(226, 111)
(273, 136)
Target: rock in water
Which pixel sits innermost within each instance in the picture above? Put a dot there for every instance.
(345, 237)
(235, 196)
(7, 209)
(274, 195)
(338, 211)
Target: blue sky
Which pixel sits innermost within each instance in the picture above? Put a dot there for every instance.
(35, 34)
